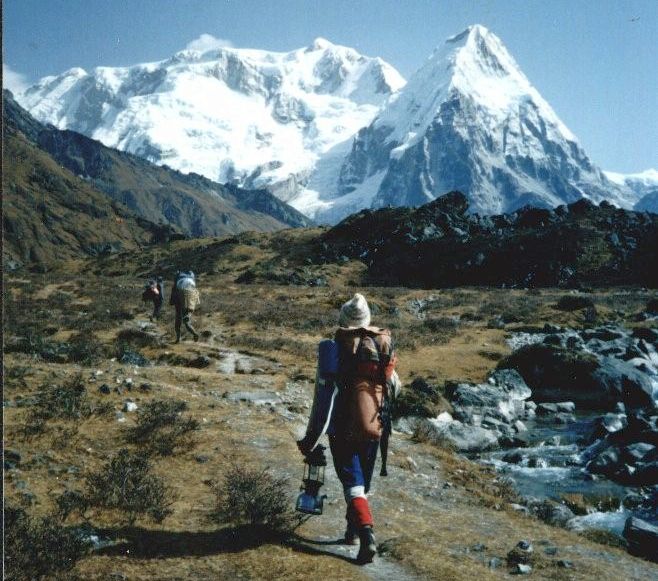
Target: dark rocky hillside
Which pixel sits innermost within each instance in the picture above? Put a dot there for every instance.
(192, 203)
(441, 244)
(50, 215)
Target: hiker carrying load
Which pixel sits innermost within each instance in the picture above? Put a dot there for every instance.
(154, 292)
(185, 299)
(355, 379)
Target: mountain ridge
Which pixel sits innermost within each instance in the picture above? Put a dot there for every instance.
(193, 203)
(277, 111)
(469, 120)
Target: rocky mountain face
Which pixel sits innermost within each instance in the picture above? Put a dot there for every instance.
(441, 244)
(468, 120)
(50, 215)
(191, 203)
(248, 117)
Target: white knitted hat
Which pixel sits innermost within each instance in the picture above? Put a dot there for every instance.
(355, 312)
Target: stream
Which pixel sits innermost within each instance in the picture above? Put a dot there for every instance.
(552, 467)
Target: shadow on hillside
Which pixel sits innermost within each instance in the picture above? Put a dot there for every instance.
(314, 547)
(151, 544)
(143, 543)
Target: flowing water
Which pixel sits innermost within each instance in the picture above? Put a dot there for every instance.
(552, 467)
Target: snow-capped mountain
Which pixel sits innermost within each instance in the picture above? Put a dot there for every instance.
(468, 120)
(644, 184)
(250, 117)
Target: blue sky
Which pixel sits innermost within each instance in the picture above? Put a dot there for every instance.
(595, 61)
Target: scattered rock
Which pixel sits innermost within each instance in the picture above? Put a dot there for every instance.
(105, 389)
(522, 553)
(200, 362)
(129, 406)
(130, 357)
(255, 397)
(495, 563)
(642, 538)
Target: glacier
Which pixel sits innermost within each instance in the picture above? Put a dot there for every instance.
(252, 118)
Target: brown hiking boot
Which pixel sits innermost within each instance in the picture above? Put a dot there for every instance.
(368, 548)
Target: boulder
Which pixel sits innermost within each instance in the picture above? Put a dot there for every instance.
(607, 424)
(462, 437)
(551, 512)
(624, 382)
(546, 409)
(642, 538)
(555, 374)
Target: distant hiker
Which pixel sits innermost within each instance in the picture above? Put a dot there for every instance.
(154, 292)
(351, 390)
(185, 299)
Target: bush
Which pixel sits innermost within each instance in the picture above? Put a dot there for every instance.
(35, 548)
(137, 338)
(124, 484)
(68, 401)
(574, 303)
(257, 501)
(161, 428)
(84, 348)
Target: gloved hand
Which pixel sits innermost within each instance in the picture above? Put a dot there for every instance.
(317, 457)
(305, 444)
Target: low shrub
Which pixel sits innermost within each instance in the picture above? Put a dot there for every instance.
(126, 485)
(574, 303)
(85, 348)
(68, 402)
(255, 501)
(161, 428)
(137, 338)
(36, 548)
(420, 399)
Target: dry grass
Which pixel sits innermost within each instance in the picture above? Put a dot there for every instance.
(432, 538)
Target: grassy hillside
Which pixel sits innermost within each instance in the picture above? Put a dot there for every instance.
(191, 203)
(50, 215)
(72, 340)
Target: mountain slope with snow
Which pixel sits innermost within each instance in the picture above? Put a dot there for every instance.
(644, 185)
(468, 120)
(249, 117)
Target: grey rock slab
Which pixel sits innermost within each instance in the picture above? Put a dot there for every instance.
(255, 397)
(464, 438)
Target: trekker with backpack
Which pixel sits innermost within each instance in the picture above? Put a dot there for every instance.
(362, 379)
(185, 299)
(154, 292)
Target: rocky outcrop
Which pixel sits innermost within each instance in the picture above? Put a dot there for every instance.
(485, 416)
(595, 368)
(441, 245)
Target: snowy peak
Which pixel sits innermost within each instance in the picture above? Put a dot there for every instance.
(467, 120)
(473, 66)
(251, 117)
